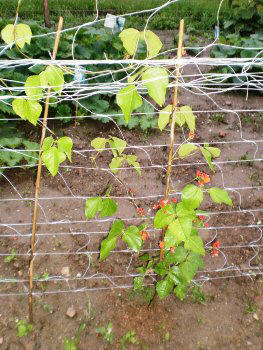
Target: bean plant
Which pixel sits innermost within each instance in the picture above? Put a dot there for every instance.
(179, 219)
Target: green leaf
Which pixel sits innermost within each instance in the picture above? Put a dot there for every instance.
(180, 254)
(220, 196)
(164, 288)
(61, 157)
(20, 34)
(108, 207)
(174, 275)
(130, 38)
(70, 344)
(178, 231)
(119, 144)
(189, 117)
(188, 270)
(195, 244)
(8, 34)
(115, 164)
(164, 117)
(215, 152)
(192, 196)
(153, 43)
(43, 79)
(156, 81)
(128, 100)
(138, 283)
(164, 216)
(132, 237)
(92, 206)
(51, 159)
(186, 149)
(161, 268)
(208, 157)
(47, 143)
(182, 211)
(132, 160)
(27, 110)
(196, 259)
(23, 328)
(179, 118)
(65, 144)
(99, 143)
(109, 243)
(55, 78)
(180, 291)
(33, 87)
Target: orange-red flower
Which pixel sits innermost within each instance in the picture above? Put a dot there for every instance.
(172, 249)
(215, 247)
(191, 135)
(161, 244)
(174, 200)
(164, 202)
(140, 211)
(202, 178)
(156, 206)
(144, 235)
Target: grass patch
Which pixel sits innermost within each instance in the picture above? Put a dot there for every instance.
(201, 14)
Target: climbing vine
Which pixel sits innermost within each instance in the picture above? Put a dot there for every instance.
(180, 220)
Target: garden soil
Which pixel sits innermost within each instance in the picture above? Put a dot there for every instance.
(230, 317)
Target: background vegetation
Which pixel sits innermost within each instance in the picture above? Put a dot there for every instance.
(200, 14)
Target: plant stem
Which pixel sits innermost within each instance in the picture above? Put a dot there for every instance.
(39, 168)
(46, 14)
(175, 103)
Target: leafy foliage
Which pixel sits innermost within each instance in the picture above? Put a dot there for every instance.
(55, 152)
(246, 16)
(117, 147)
(9, 156)
(23, 328)
(106, 332)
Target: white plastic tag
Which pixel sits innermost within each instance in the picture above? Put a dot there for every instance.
(110, 21)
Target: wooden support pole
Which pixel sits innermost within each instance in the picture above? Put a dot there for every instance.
(46, 14)
(39, 168)
(175, 103)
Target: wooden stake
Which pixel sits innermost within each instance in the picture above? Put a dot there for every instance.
(46, 14)
(175, 103)
(39, 168)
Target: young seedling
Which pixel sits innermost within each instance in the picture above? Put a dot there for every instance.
(128, 338)
(72, 344)
(23, 328)
(106, 332)
(11, 258)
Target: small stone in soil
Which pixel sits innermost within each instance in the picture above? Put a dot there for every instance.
(71, 312)
(255, 316)
(65, 271)
(1, 340)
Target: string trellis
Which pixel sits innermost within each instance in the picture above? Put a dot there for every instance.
(65, 238)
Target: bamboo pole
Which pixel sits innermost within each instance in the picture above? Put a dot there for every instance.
(171, 146)
(39, 168)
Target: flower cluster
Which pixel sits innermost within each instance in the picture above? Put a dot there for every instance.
(203, 218)
(191, 135)
(215, 247)
(202, 178)
(162, 203)
(140, 211)
(144, 235)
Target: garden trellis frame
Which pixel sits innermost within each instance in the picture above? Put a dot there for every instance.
(199, 84)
